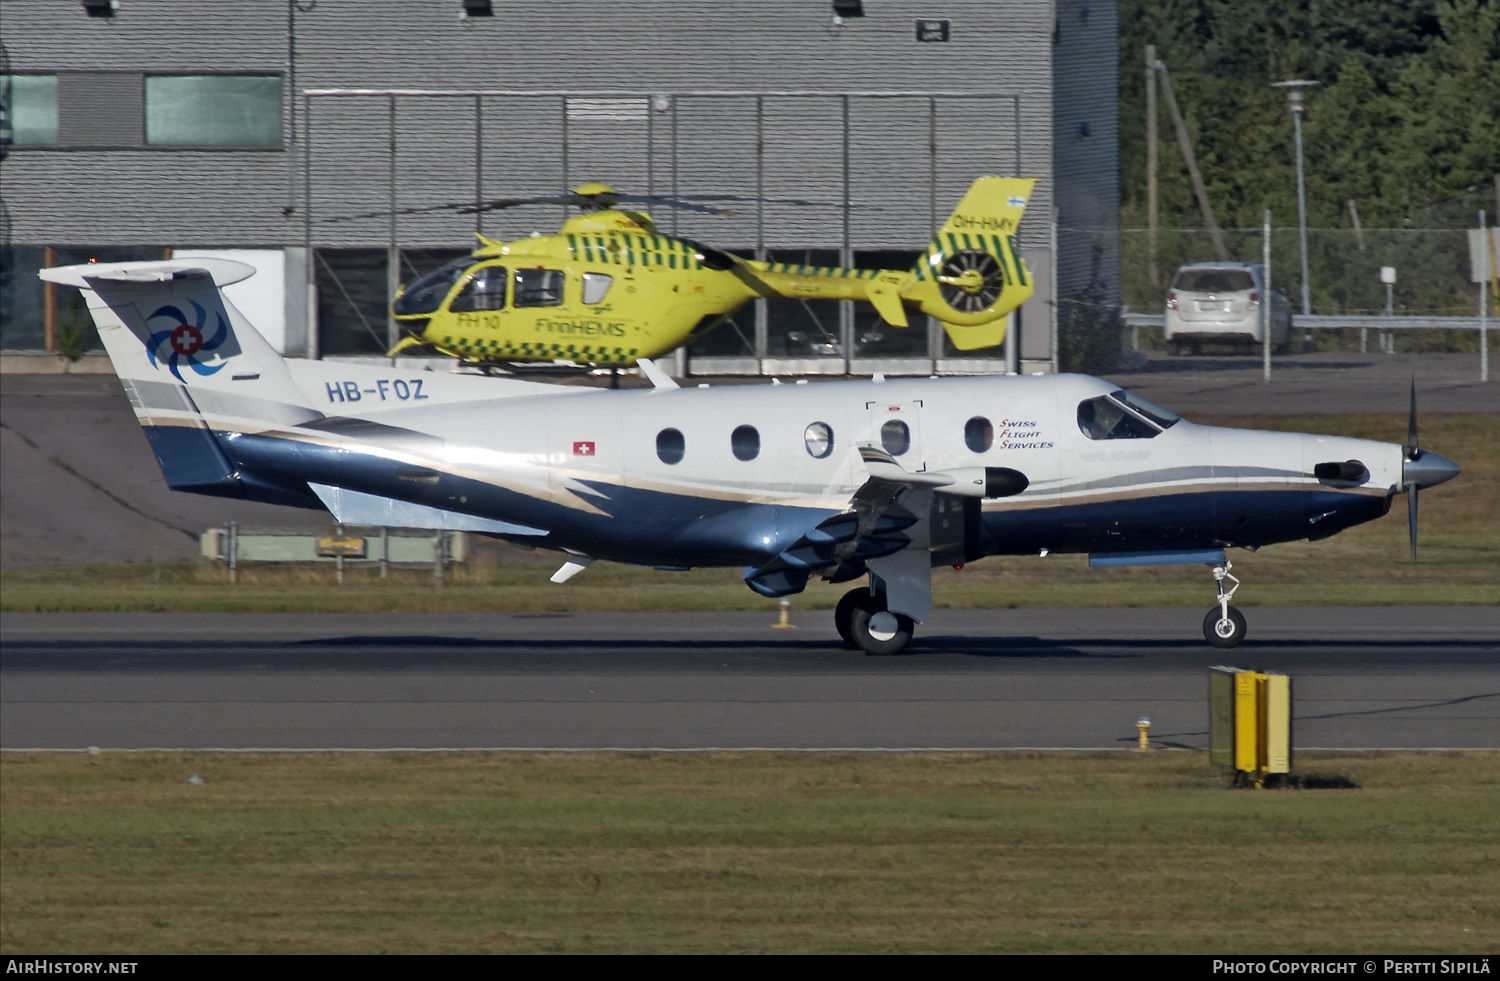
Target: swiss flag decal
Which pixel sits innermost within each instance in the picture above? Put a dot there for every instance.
(583, 448)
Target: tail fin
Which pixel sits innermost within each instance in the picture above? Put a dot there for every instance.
(972, 275)
(182, 351)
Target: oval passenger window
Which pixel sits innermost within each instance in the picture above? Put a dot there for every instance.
(818, 438)
(979, 434)
(670, 446)
(895, 437)
(745, 441)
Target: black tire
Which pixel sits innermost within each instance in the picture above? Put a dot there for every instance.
(844, 611)
(1230, 634)
(1174, 349)
(877, 640)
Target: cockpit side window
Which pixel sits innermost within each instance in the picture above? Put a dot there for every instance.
(1105, 418)
(538, 288)
(428, 293)
(485, 290)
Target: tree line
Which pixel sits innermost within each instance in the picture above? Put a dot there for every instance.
(1405, 123)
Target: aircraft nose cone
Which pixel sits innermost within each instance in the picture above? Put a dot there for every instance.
(1428, 470)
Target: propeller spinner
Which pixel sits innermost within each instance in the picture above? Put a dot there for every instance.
(1420, 469)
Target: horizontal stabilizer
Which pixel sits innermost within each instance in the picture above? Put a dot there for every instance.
(223, 272)
(357, 508)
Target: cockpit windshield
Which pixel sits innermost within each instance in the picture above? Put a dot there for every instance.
(1120, 415)
(427, 293)
(1156, 414)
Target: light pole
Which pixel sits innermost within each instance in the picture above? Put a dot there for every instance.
(1294, 103)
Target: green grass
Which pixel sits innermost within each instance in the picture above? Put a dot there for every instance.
(1459, 563)
(697, 853)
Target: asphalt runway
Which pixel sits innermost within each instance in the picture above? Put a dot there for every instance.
(1363, 678)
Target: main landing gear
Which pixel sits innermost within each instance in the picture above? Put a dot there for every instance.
(1224, 626)
(865, 624)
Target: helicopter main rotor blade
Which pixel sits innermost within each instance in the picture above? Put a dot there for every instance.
(429, 209)
(733, 198)
(467, 207)
(677, 203)
(683, 202)
(499, 204)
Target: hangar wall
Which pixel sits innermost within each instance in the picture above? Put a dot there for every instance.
(1024, 85)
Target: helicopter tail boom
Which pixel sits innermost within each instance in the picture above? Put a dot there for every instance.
(972, 276)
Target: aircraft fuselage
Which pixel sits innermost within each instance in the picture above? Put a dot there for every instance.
(586, 468)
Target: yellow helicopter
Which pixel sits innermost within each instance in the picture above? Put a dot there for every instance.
(609, 288)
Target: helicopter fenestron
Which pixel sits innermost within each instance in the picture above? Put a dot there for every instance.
(609, 288)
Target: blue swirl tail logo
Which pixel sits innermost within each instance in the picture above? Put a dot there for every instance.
(183, 342)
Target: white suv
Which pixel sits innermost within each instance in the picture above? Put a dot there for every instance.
(1222, 301)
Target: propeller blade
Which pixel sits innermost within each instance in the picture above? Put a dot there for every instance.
(1411, 518)
(1412, 452)
(1411, 425)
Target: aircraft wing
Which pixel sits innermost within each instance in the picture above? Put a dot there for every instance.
(358, 508)
(895, 510)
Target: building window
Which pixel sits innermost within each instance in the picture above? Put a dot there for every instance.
(29, 106)
(670, 446)
(745, 442)
(352, 301)
(979, 434)
(213, 110)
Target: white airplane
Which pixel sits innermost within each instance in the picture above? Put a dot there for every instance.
(844, 479)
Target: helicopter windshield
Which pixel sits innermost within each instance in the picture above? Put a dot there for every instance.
(427, 293)
(485, 290)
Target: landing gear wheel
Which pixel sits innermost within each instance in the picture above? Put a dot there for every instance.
(844, 612)
(876, 630)
(1224, 631)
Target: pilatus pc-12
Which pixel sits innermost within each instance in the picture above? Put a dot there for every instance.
(848, 480)
(609, 288)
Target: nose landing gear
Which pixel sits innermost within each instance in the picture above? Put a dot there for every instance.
(1224, 626)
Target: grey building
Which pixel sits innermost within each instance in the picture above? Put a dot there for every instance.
(323, 135)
